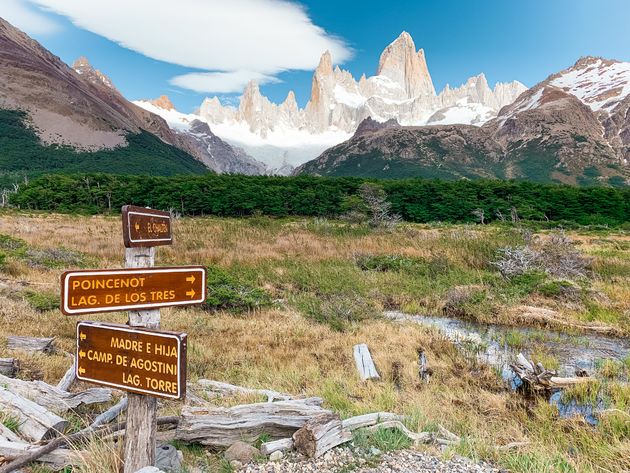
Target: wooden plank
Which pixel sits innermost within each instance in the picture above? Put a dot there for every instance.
(365, 364)
(107, 290)
(32, 344)
(144, 227)
(138, 360)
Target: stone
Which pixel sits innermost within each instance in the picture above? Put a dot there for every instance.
(276, 456)
(168, 458)
(241, 452)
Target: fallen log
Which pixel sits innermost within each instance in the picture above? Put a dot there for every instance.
(32, 344)
(320, 434)
(111, 413)
(8, 434)
(35, 422)
(52, 397)
(221, 426)
(68, 378)
(416, 438)
(365, 364)
(536, 378)
(8, 367)
(57, 459)
(80, 436)
(367, 420)
(281, 445)
(220, 389)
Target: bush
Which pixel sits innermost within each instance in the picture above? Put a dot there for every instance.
(54, 258)
(339, 312)
(42, 301)
(225, 292)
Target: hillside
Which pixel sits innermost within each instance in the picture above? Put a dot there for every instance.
(75, 119)
(23, 155)
(571, 128)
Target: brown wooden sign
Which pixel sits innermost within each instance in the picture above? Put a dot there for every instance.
(139, 360)
(146, 227)
(107, 290)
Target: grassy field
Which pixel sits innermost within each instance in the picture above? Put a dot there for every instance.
(289, 298)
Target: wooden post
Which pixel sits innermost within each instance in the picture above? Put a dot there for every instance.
(141, 430)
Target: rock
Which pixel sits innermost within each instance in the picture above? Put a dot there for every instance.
(149, 469)
(168, 458)
(276, 456)
(236, 464)
(241, 452)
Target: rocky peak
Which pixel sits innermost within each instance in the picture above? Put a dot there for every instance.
(163, 102)
(401, 63)
(370, 125)
(324, 68)
(83, 67)
(290, 102)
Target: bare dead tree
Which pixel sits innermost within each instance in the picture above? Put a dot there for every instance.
(500, 215)
(379, 209)
(480, 214)
(514, 215)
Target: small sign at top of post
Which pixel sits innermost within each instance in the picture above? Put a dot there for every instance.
(146, 227)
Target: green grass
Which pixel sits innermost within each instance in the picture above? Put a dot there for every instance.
(385, 440)
(227, 292)
(42, 301)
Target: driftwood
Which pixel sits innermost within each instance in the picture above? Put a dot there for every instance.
(32, 344)
(424, 372)
(368, 420)
(536, 378)
(8, 367)
(441, 437)
(52, 397)
(57, 459)
(219, 389)
(365, 364)
(7, 434)
(221, 427)
(320, 434)
(110, 414)
(281, 445)
(53, 445)
(35, 422)
(68, 378)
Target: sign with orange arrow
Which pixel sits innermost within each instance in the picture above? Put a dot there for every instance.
(107, 290)
(139, 360)
(146, 227)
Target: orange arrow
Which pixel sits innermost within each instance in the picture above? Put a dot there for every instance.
(81, 370)
(81, 354)
(82, 336)
(191, 293)
(190, 279)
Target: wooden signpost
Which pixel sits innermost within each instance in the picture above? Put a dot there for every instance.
(137, 358)
(139, 361)
(145, 227)
(107, 290)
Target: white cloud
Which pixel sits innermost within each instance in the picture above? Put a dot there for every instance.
(229, 36)
(27, 18)
(220, 82)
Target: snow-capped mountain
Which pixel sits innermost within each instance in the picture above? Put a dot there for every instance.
(573, 127)
(402, 89)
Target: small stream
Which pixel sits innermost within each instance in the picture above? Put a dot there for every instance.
(491, 344)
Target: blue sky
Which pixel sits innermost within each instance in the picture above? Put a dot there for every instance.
(154, 47)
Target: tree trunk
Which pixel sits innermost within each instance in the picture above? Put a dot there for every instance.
(32, 344)
(221, 426)
(320, 434)
(52, 397)
(364, 362)
(8, 367)
(35, 422)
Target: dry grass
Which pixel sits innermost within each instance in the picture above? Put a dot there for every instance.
(280, 349)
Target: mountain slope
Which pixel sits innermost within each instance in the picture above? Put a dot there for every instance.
(572, 127)
(72, 112)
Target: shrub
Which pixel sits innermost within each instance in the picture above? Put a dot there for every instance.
(339, 312)
(516, 261)
(53, 258)
(42, 301)
(225, 292)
